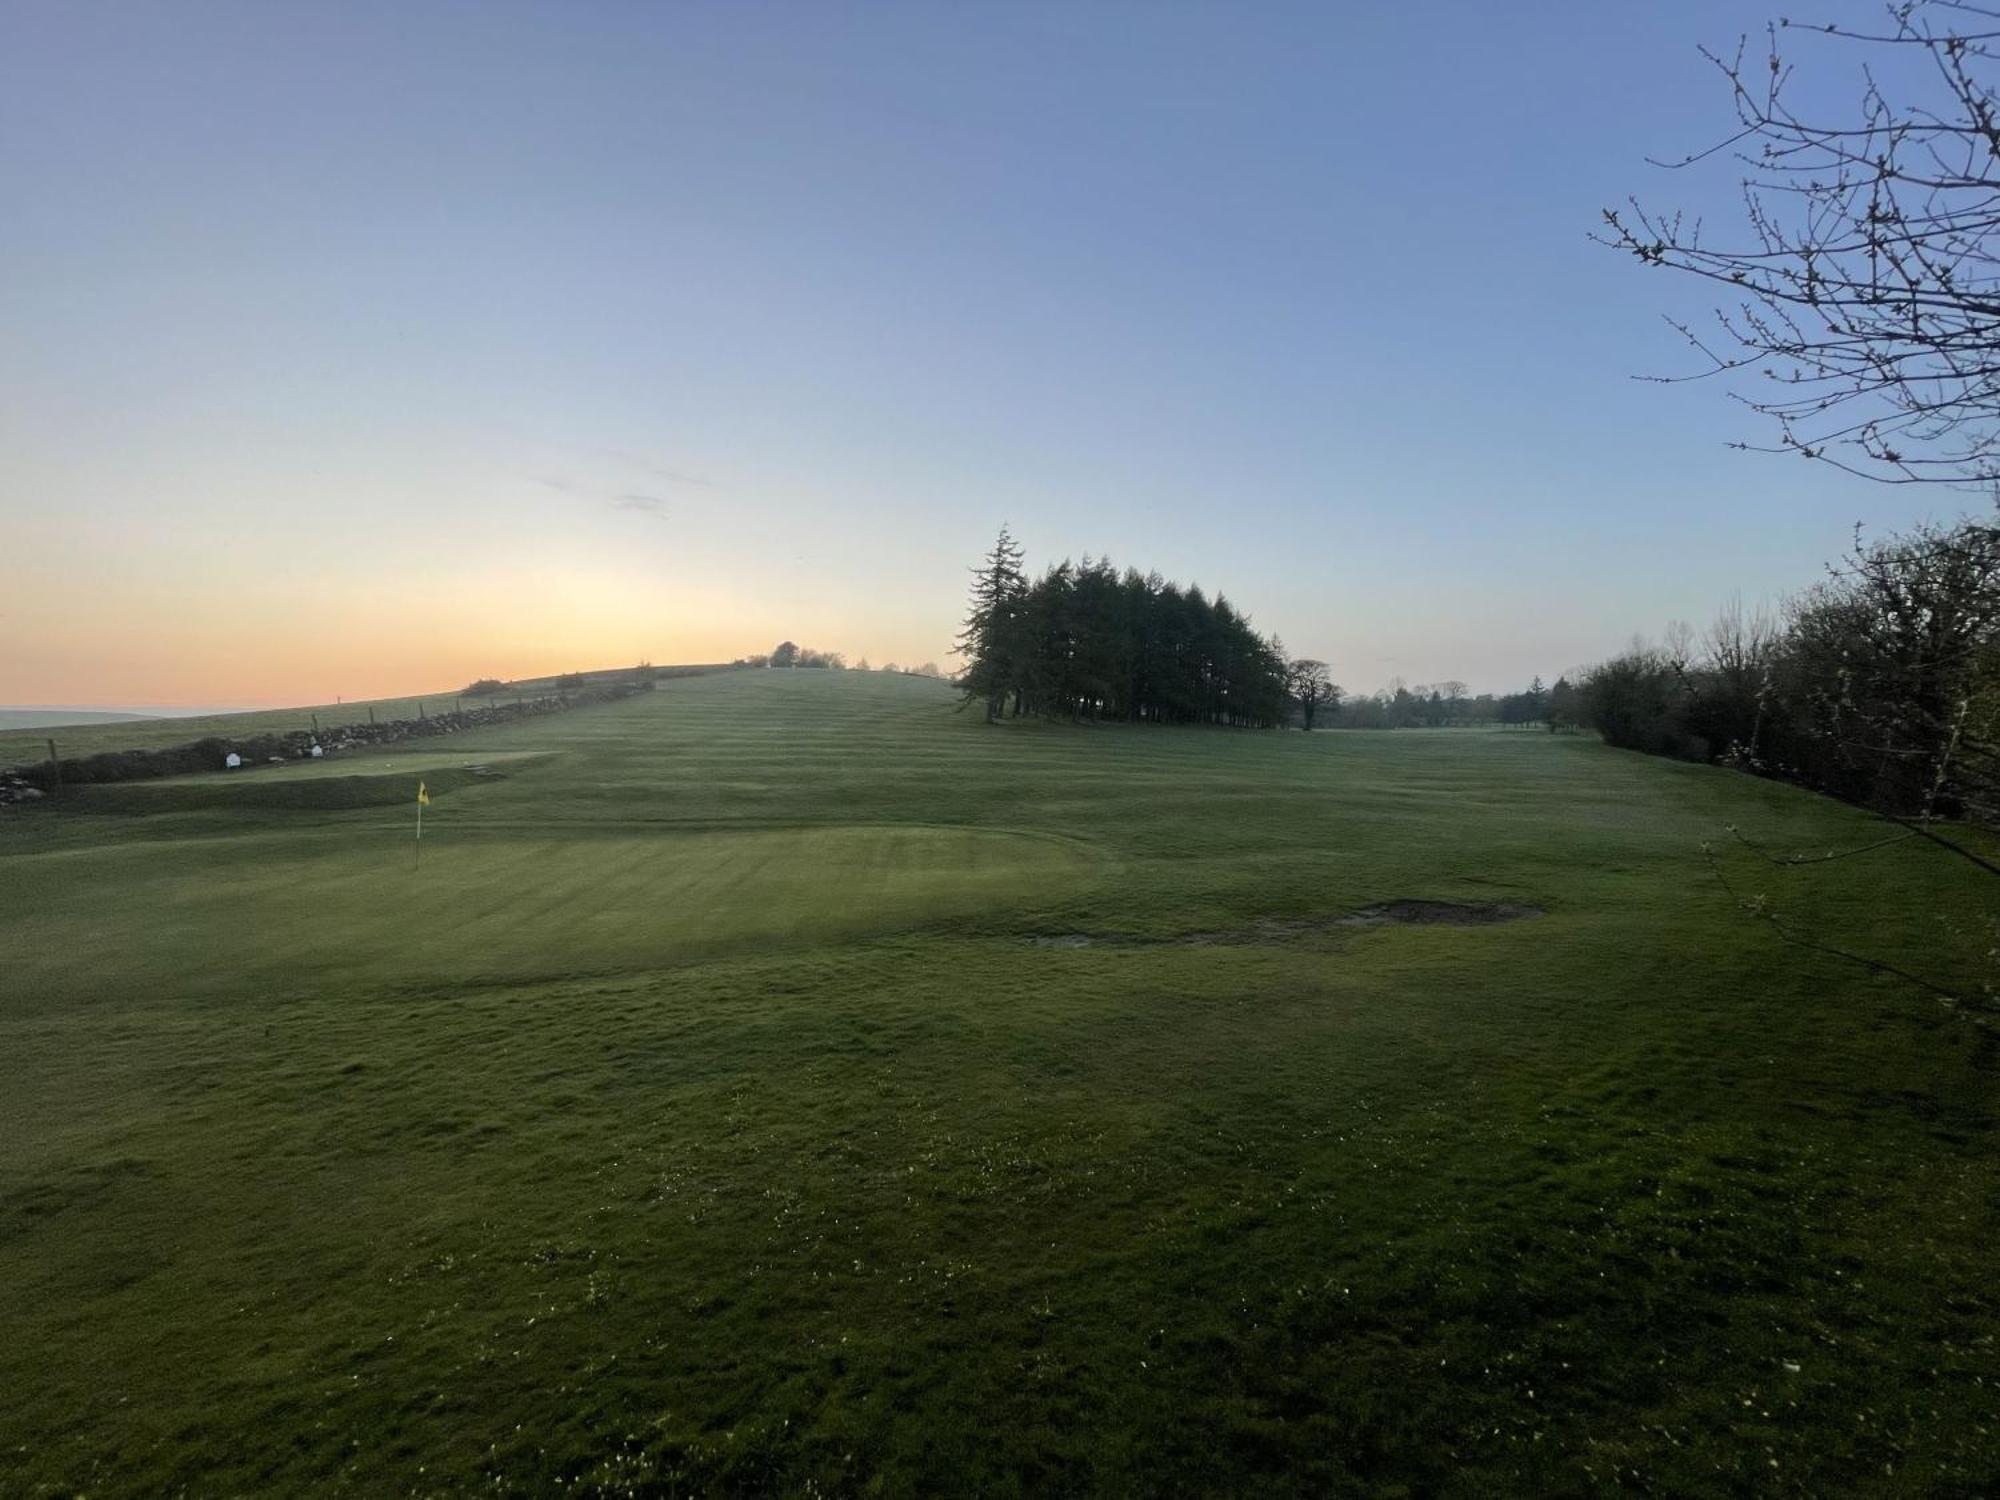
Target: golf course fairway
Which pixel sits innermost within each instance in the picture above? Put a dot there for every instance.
(782, 1082)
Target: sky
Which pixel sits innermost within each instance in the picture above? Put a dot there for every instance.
(363, 349)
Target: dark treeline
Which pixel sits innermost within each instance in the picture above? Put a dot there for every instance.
(1880, 686)
(1087, 641)
(1450, 705)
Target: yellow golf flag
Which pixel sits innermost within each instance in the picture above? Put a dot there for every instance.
(423, 797)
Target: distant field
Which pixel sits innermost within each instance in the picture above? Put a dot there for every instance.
(86, 734)
(17, 746)
(47, 718)
(781, 1083)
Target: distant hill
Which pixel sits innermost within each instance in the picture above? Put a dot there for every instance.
(57, 718)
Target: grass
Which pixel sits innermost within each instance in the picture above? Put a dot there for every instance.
(701, 1118)
(89, 735)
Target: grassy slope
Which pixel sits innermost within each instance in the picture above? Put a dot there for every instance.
(698, 1117)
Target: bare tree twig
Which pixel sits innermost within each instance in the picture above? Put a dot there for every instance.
(1761, 909)
(1868, 284)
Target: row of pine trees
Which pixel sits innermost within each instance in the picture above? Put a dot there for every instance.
(1087, 641)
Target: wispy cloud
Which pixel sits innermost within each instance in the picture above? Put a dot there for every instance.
(637, 502)
(648, 505)
(630, 500)
(662, 471)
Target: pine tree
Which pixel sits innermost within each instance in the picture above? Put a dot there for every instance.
(1538, 700)
(1564, 710)
(991, 640)
(1089, 641)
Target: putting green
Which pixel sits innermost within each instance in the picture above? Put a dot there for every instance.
(490, 904)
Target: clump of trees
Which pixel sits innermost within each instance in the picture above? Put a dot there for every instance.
(1451, 705)
(1424, 706)
(1880, 686)
(484, 687)
(790, 654)
(1087, 641)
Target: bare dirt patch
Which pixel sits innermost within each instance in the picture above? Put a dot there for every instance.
(1448, 913)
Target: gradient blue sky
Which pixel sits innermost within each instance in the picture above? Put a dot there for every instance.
(361, 348)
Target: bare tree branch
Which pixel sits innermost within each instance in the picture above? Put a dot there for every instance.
(1867, 290)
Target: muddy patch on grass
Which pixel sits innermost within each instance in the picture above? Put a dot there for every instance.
(1447, 913)
(1290, 929)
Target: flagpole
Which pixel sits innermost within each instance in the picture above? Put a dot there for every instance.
(420, 833)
